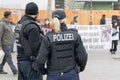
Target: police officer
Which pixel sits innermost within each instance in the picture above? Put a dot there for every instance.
(28, 40)
(63, 50)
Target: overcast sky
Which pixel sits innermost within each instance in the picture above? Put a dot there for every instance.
(21, 3)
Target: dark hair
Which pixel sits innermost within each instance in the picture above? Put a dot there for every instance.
(75, 17)
(47, 19)
(7, 13)
(104, 15)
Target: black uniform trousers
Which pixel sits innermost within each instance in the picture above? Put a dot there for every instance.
(25, 71)
(71, 75)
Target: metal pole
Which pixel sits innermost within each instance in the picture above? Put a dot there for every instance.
(91, 12)
(49, 8)
(72, 4)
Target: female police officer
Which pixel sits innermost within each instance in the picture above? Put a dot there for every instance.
(63, 50)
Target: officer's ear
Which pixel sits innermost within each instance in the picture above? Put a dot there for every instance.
(63, 20)
(36, 16)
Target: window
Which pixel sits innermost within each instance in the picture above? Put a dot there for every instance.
(59, 4)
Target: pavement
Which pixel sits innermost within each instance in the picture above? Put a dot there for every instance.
(101, 66)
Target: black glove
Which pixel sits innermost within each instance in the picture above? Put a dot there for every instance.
(77, 69)
(35, 66)
(39, 68)
(43, 71)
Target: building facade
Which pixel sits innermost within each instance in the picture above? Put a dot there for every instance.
(64, 4)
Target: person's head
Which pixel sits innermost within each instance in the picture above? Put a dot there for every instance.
(114, 22)
(7, 16)
(118, 17)
(47, 21)
(59, 17)
(115, 25)
(32, 9)
(75, 18)
(103, 15)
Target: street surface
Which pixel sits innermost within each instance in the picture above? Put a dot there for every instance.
(101, 66)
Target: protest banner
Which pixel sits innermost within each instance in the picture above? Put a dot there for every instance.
(94, 37)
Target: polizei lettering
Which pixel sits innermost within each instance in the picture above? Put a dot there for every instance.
(63, 37)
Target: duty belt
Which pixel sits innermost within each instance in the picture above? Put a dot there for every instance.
(31, 58)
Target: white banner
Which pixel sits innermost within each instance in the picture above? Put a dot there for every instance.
(95, 37)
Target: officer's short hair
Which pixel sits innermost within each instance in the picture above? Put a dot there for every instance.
(7, 13)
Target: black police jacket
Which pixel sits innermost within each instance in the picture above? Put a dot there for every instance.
(62, 51)
(28, 38)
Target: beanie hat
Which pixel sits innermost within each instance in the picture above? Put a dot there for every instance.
(31, 8)
(60, 14)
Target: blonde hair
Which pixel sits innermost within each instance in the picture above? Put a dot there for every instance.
(55, 24)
